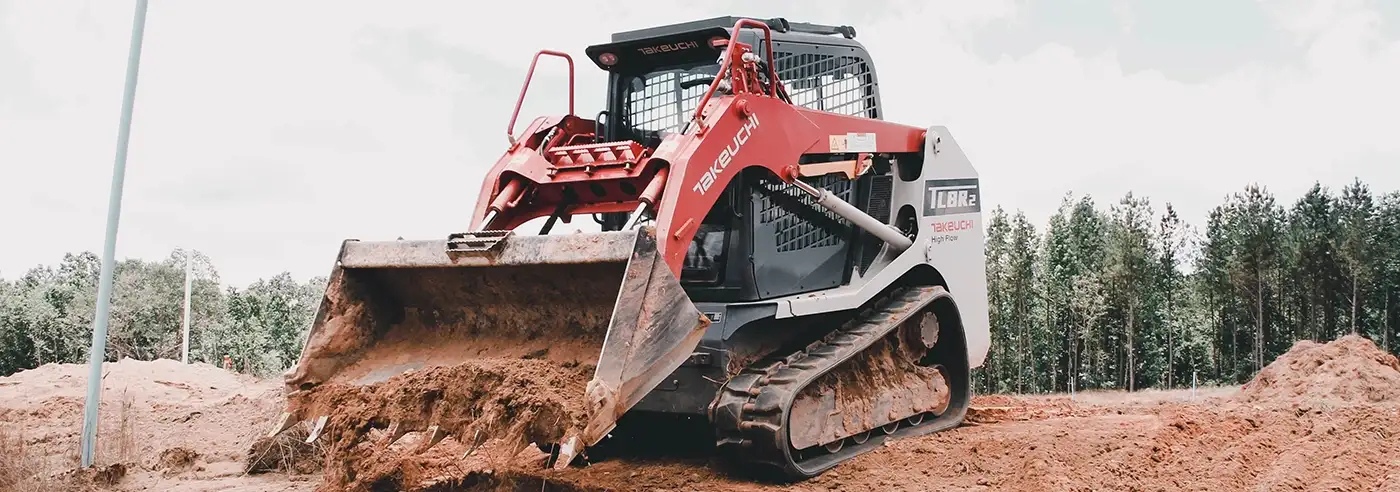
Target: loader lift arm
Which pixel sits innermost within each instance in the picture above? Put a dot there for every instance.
(559, 164)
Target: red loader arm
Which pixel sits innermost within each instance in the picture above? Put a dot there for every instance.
(558, 167)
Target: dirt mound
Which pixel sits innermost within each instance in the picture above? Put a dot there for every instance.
(162, 425)
(510, 402)
(1349, 370)
(1238, 448)
(1165, 440)
(196, 424)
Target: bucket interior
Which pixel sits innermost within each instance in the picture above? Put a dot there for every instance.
(417, 318)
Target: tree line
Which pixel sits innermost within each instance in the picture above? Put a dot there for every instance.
(1121, 296)
(46, 315)
(1125, 296)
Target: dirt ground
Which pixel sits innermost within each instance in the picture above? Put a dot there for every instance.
(1321, 417)
(165, 425)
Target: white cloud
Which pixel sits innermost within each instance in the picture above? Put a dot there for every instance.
(1057, 120)
(267, 132)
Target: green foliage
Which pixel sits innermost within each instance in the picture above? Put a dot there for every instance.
(46, 315)
(1102, 297)
(1125, 298)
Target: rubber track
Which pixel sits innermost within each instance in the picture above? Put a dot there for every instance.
(752, 411)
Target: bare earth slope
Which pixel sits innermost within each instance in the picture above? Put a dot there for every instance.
(1321, 417)
(170, 425)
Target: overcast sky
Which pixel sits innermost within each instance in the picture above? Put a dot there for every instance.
(267, 132)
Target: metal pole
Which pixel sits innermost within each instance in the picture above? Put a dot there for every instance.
(114, 206)
(185, 326)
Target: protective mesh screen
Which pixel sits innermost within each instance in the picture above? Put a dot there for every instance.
(798, 222)
(824, 82)
(662, 104)
(878, 206)
(837, 84)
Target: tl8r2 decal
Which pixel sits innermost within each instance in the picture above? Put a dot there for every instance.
(951, 196)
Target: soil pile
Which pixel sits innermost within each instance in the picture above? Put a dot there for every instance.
(494, 408)
(189, 427)
(162, 425)
(1350, 370)
(1167, 440)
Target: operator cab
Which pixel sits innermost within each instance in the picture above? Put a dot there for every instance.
(763, 237)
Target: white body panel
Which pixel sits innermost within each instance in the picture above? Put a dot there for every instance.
(946, 200)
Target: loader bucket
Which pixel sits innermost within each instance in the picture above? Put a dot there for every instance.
(605, 300)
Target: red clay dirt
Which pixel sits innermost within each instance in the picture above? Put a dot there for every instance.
(504, 405)
(1321, 417)
(1349, 370)
(162, 425)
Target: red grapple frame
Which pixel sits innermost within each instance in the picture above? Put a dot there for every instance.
(558, 165)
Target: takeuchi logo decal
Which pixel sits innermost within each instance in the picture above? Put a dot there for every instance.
(726, 156)
(668, 47)
(953, 225)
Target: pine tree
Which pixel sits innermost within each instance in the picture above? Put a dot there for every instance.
(1313, 263)
(1387, 273)
(1128, 274)
(1173, 242)
(1021, 259)
(1255, 221)
(1355, 245)
(994, 375)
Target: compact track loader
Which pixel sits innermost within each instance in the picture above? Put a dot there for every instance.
(776, 261)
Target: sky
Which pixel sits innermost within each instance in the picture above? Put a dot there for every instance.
(265, 133)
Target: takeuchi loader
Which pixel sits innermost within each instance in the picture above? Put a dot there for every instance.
(775, 260)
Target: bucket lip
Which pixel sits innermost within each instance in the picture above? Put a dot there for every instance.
(559, 249)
